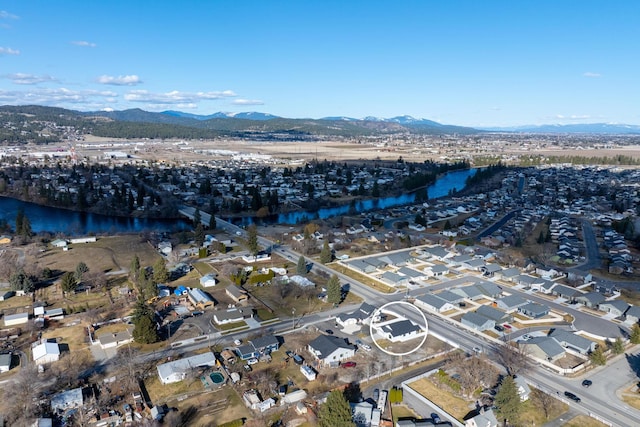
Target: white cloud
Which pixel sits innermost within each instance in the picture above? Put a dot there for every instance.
(175, 97)
(56, 97)
(29, 79)
(131, 80)
(8, 51)
(83, 43)
(573, 117)
(592, 75)
(247, 102)
(6, 15)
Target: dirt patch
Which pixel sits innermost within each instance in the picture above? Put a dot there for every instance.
(453, 405)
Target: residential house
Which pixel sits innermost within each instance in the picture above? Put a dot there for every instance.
(490, 269)
(362, 413)
(565, 292)
(236, 294)
(45, 352)
(471, 292)
(437, 270)
(114, 340)
(411, 273)
(266, 344)
(523, 388)
(485, 418)
(5, 362)
(431, 302)
(247, 351)
(489, 289)
(177, 370)
(572, 341)
(400, 331)
(534, 310)
(453, 298)
(498, 316)
(393, 279)
(508, 274)
(545, 348)
(511, 303)
(331, 350)
(616, 307)
(208, 280)
(606, 289)
(632, 315)
(66, 400)
(232, 315)
(477, 321)
(200, 299)
(360, 316)
(590, 299)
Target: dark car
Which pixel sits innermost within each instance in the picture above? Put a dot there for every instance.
(329, 332)
(435, 418)
(587, 383)
(298, 359)
(572, 396)
(348, 364)
(499, 328)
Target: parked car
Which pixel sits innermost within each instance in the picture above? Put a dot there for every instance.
(477, 350)
(376, 394)
(237, 342)
(252, 361)
(348, 364)
(289, 353)
(587, 383)
(572, 396)
(506, 325)
(499, 328)
(435, 418)
(526, 337)
(329, 332)
(247, 368)
(366, 347)
(298, 359)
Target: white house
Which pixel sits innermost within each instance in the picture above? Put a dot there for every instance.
(331, 350)
(308, 372)
(400, 330)
(177, 370)
(16, 319)
(46, 352)
(431, 302)
(114, 340)
(485, 418)
(208, 280)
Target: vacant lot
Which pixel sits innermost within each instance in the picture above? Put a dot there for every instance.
(452, 404)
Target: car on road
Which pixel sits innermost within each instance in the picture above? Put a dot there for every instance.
(572, 396)
(348, 364)
(252, 361)
(329, 331)
(587, 383)
(435, 418)
(477, 350)
(366, 347)
(526, 337)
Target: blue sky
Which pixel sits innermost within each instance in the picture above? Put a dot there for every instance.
(473, 63)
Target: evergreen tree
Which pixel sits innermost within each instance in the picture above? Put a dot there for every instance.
(68, 282)
(508, 401)
(618, 346)
(197, 218)
(81, 268)
(198, 234)
(635, 334)
(301, 267)
(20, 281)
(334, 290)
(597, 356)
(134, 268)
(25, 230)
(252, 239)
(541, 238)
(145, 330)
(19, 219)
(160, 273)
(336, 411)
(212, 222)
(325, 254)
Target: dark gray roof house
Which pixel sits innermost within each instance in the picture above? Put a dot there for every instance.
(591, 299)
(545, 348)
(534, 310)
(489, 289)
(410, 272)
(498, 316)
(477, 322)
(362, 265)
(572, 341)
(511, 302)
(453, 298)
(472, 292)
(434, 303)
(632, 315)
(616, 307)
(508, 273)
(393, 278)
(329, 348)
(565, 292)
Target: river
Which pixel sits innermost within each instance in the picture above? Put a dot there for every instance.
(45, 218)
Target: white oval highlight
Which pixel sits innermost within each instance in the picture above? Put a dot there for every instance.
(384, 307)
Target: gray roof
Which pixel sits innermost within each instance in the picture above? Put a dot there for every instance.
(5, 360)
(489, 289)
(487, 418)
(548, 345)
(571, 339)
(566, 291)
(616, 303)
(439, 268)
(438, 251)
(510, 272)
(512, 301)
(410, 272)
(470, 291)
(476, 319)
(534, 308)
(265, 341)
(389, 276)
(633, 311)
(183, 365)
(402, 327)
(450, 296)
(433, 300)
(492, 313)
(594, 298)
(327, 344)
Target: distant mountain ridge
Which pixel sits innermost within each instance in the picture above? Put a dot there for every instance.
(587, 128)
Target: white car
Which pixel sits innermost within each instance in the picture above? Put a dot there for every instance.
(252, 361)
(366, 347)
(237, 342)
(526, 337)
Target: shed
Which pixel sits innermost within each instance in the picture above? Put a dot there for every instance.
(16, 319)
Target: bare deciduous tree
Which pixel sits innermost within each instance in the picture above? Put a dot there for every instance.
(543, 401)
(514, 358)
(472, 372)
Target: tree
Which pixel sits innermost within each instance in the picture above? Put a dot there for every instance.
(635, 334)
(325, 254)
(144, 330)
(543, 402)
(617, 347)
(508, 400)
(134, 268)
(198, 234)
(81, 268)
(336, 411)
(19, 220)
(68, 282)
(160, 273)
(197, 217)
(252, 239)
(212, 222)
(301, 267)
(334, 290)
(20, 281)
(514, 358)
(598, 357)
(472, 372)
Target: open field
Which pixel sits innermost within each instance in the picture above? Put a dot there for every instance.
(583, 421)
(454, 405)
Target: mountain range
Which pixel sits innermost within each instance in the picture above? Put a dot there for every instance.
(137, 123)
